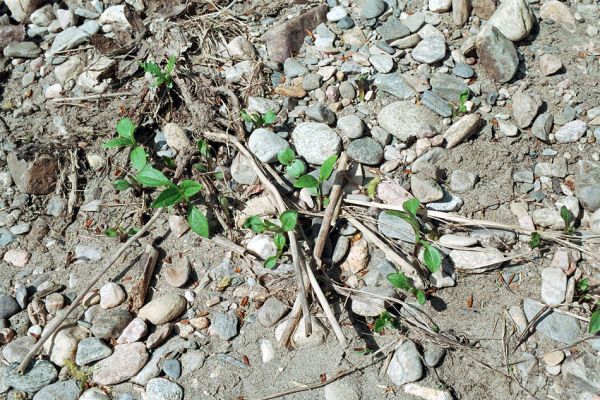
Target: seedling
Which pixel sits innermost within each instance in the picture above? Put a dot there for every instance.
(288, 220)
(385, 321)
(569, 220)
(120, 232)
(310, 182)
(362, 84)
(464, 96)
(372, 187)
(294, 167)
(534, 241)
(161, 76)
(431, 257)
(258, 120)
(594, 326)
(401, 281)
(81, 375)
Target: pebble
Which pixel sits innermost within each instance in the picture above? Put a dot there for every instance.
(372, 303)
(16, 257)
(366, 151)
(163, 309)
(336, 14)
(22, 50)
(427, 190)
(53, 91)
(395, 227)
(41, 374)
(372, 8)
(571, 132)
(558, 12)
(440, 6)
(462, 129)
(405, 365)
(554, 286)
(587, 184)
(265, 145)
(427, 393)
(315, 142)
(224, 325)
(514, 18)
(94, 394)
(477, 260)
(8, 306)
(343, 389)
(263, 246)
(414, 22)
(54, 302)
(463, 71)
(133, 332)
(300, 338)
(6, 237)
(404, 120)
(318, 112)
(453, 240)
(554, 358)
(548, 218)
(497, 54)
(15, 351)
(525, 108)
(65, 390)
(267, 350)
(292, 68)
(172, 368)
(109, 324)
(163, 389)
(394, 84)
(382, 63)
(462, 181)
(559, 327)
(90, 350)
(64, 344)
(192, 361)
(436, 104)
(594, 222)
(350, 126)
(430, 50)
(550, 64)
(178, 273)
(85, 253)
(125, 362)
(347, 90)
(312, 82)
(345, 23)
(498, 238)
(271, 311)
(159, 336)
(433, 355)
(111, 295)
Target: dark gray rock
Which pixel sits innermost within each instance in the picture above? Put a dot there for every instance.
(65, 390)
(320, 113)
(110, 323)
(224, 325)
(172, 368)
(436, 104)
(395, 227)
(365, 151)
(394, 84)
(90, 350)
(448, 87)
(497, 54)
(393, 29)
(41, 373)
(559, 327)
(271, 311)
(8, 306)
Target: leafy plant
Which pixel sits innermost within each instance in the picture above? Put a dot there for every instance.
(81, 375)
(161, 76)
(309, 181)
(535, 240)
(464, 96)
(401, 281)
(569, 220)
(362, 83)
(372, 187)
(594, 326)
(125, 131)
(385, 321)
(258, 120)
(288, 220)
(120, 232)
(431, 257)
(294, 167)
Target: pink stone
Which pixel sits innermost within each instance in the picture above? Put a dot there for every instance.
(17, 257)
(136, 330)
(392, 193)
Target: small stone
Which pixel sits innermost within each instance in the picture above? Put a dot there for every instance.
(558, 12)
(559, 327)
(392, 30)
(53, 91)
(395, 227)
(191, 361)
(133, 332)
(292, 68)
(85, 253)
(372, 8)
(22, 50)
(405, 365)
(430, 50)
(427, 393)
(159, 336)
(554, 358)
(463, 71)
(366, 151)
(436, 104)
(241, 48)
(163, 389)
(312, 82)
(176, 137)
(554, 286)
(65, 390)
(440, 6)
(347, 90)
(343, 389)
(111, 295)
(300, 338)
(315, 142)
(8, 306)
(548, 218)
(550, 64)
(125, 362)
(498, 238)
(178, 273)
(336, 14)
(525, 108)
(514, 18)
(16, 257)
(571, 132)
(318, 112)
(263, 246)
(461, 130)
(462, 181)
(477, 260)
(587, 184)
(179, 225)
(453, 241)
(15, 351)
(224, 325)
(497, 54)
(394, 84)
(54, 302)
(90, 350)
(346, 23)
(271, 311)
(404, 120)
(433, 355)
(357, 259)
(382, 63)
(461, 10)
(415, 21)
(425, 189)
(351, 126)
(371, 303)
(94, 394)
(39, 375)
(163, 309)
(508, 129)
(172, 368)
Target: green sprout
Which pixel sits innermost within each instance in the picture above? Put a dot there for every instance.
(258, 120)
(288, 220)
(161, 76)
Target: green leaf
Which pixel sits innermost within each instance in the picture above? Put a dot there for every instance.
(326, 201)
(432, 258)
(583, 285)
(271, 226)
(327, 168)
(421, 298)
(306, 181)
(535, 240)
(372, 187)
(152, 68)
(271, 262)
(385, 320)
(288, 219)
(200, 167)
(117, 142)
(170, 65)
(189, 188)
(399, 280)
(566, 215)
(594, 323)
(198, 222)
(151, 177)
(203, 148)
(411, 206)
(111, 232)
(255, 224)
(132, 231)
(296, 168)
(269, 118)
(121, 184)
(167, 197)
(246, 117)
(464, 96)
(286, 156)
(279, 240)
(125, 129)
(138, 158)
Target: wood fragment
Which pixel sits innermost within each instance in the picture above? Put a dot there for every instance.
(137, 294)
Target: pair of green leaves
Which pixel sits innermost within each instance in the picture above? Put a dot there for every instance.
(385, 321)
(431, 256)
(125, 132)
(258, 120)
(309, 181)
(464, 96)
(569, 219)
(401, 281)
(294, 167)
(161, 76)
(288, 220)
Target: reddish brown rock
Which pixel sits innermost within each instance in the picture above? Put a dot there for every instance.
(34, 177)
(286, 39)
